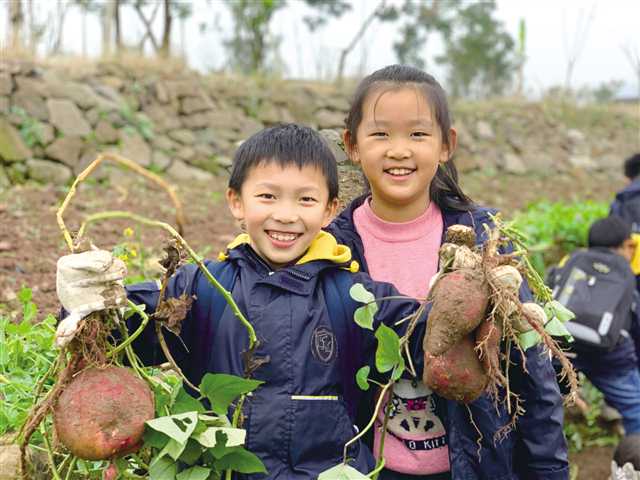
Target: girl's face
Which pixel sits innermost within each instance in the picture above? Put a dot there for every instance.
(399, 146)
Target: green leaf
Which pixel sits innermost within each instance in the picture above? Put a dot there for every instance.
(25, 295)
(388, 351)
(361, 294)
(241, 460)
(179, 427)
(194, 473)
(186, 403)
(398, 371)
(363, 316)
(362, 377)
(220, 449)
(556, 309)
(342, 472)
(29, 311)
(556, 328)
(529, 339)
(163, 469)
(155, 439)
(208, 438)
(191, 453)
(222, 389)
(173, 448)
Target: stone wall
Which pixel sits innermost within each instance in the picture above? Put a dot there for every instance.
(54, 121)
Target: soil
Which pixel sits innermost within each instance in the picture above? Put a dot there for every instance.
(31, 242)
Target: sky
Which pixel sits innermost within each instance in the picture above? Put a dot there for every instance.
(598, 29)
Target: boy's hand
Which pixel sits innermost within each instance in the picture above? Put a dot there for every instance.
(87, 282)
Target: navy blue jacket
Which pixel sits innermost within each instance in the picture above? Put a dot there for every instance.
(536, 449)
(298, 421)
(630, 192)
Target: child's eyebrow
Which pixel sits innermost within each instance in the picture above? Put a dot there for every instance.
(411, 123)
(299, 190)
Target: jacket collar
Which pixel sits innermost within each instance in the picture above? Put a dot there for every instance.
(631, 189)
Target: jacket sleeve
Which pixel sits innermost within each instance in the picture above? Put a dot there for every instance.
(146, 294)
(634, 330)
(541, 448)
(390, 312)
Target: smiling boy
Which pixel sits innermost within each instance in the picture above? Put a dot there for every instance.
(291, 281)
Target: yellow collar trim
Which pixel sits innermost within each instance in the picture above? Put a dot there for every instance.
(323, 247)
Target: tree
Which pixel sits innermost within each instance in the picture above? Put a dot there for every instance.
(323, 11)
(479, 53)
(573, 50)
(420, 19)
(632, 54)
(16, 20)
(251, 43)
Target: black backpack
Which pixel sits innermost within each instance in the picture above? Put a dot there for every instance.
(597, 285)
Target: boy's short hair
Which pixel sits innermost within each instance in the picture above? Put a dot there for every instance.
(286, 144)
(632, 166)
(610, 232)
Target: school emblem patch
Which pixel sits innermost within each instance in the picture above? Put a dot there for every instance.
(323, 345)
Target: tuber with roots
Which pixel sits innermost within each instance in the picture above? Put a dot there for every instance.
(102, 412)
(476, 317)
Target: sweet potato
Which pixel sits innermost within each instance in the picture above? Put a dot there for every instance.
(488, 336)
(457, 374)
(101, 413)
(460, 301)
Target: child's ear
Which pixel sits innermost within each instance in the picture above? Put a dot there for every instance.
(352, 151)
(447, 152)
(235, 204)
(330, 212)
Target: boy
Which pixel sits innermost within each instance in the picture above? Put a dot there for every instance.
(283, 189)
(614, 370)
(627, 201)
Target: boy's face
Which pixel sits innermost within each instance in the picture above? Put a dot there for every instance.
(283, 209)
(627, 249)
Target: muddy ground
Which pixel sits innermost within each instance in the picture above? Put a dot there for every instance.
(31, 242)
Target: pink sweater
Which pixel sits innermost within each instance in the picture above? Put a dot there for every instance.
(406, 255)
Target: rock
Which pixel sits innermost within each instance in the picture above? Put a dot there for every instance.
(32, 87)
(81, 94)
(67, 118)
(334, 140)
(184, 136)
(512, 163)
(47, 134)
(44, 171)
(4, 179)
(105, 133)
(32, 104)
(160, 160)
(182, 171)
(135, 148)
(197, 120)
(186, 153)
(6, 83)
(17, 172)
(329, 119)
(5, 104)
(164, 118)
(162, 94)
(66, 150)
(189, 105)
(10, 462)
(248, 127)
(164, 143)
(484, 130)
(582, 161)
(12, 147)
(575, 136)
(182, 88)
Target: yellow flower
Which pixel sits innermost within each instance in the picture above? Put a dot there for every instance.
(133, 252)
(128, 232)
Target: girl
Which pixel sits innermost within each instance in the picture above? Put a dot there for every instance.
(399, 131)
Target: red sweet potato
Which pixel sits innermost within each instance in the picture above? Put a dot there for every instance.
(460, 300)
(101, 413)
(488, 336)
(457, 374)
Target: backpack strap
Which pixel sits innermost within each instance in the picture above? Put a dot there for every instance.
(341, 306)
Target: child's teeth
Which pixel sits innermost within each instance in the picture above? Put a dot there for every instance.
(399, 171)
(283, 237)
